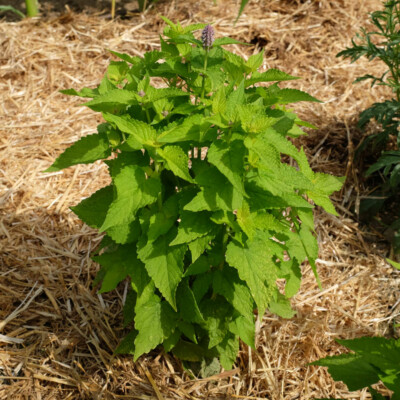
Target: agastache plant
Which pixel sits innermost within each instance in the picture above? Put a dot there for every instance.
(203, 238)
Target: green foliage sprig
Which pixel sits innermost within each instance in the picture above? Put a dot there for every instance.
(374, 359)
(383, 44)
(202, 214)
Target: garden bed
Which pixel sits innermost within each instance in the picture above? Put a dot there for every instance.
(57, 335)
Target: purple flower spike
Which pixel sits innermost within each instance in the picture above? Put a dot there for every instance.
(207, 36)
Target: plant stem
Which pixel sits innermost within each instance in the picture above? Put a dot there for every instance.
(147, 115)
(31, 8)
(158, 172)
(204, 75)
(112, 9)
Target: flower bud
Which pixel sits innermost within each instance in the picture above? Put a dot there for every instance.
(142, 93)
(207, 36)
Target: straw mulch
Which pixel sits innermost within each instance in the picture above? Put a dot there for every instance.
(57, 335)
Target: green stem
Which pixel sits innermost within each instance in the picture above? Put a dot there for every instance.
(157, 170)
(147, 115)
(31, 8)
(204, 74)
(112, 9)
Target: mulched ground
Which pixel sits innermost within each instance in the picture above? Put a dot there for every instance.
(57, 335)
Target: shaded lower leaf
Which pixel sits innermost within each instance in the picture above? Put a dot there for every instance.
(164, 263)
(255, 266)
(155, 321)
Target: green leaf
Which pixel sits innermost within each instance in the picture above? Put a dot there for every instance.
(388, 158)
(355, 372)
(85, 151)
(118, 265)
(93, 210)
(281, 306)
(126, 57)
(229, 159)
(116, 71)
(141, 134)
(217, 193)
(219, 101)
(111, 99)
(127, 344)
(252, 221)
(272, 75)
(188, 351)
(327, 184)
(198, 246)
(255, 61)
(201, 285)
(242, 6)
(85, 92)
(228, 350)
(129, 307)
(192, 226)
(12, 9)
(193, 128)
(171, 341)
(164, 264)
(291, 272)
(177, 161)
(244, 328)
(132, 191)
(255, 266)
(155, 321)
(188, 330)
(200, 266)
(287, 96)
(216, 313)
(187, 304)
(378, 351)
(235, 99)
(393, 263)
(227, 40)
(323, 201)
(227, 283)
(163, 93)
(161, 222)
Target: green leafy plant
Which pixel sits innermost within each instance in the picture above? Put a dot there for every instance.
(31, 9)
(202, 214)
(383, 43)
(374, 359)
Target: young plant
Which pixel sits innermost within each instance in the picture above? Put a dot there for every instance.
(374, 359)
(202, 214)
(31, 9)
(382, 43)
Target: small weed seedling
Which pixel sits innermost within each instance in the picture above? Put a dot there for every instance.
(202, 215)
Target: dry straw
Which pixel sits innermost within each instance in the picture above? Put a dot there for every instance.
(56, 334)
